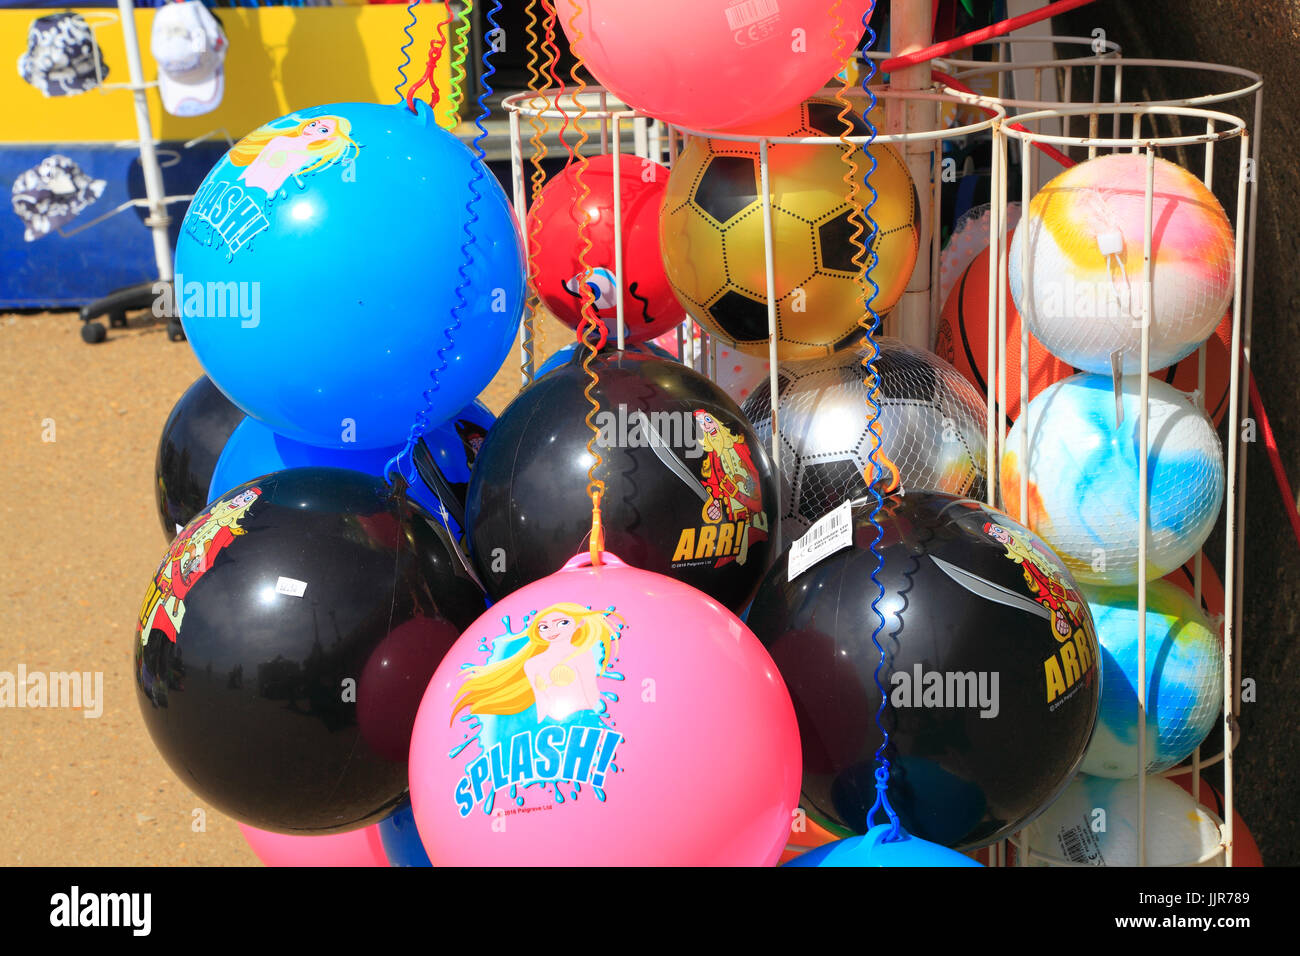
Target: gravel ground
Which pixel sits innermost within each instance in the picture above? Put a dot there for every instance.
(79, 429)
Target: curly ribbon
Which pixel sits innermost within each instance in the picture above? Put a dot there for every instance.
(402, 461)
(870, 323)
(436, 46)
(406, 51)
(589, 323)
(541, 60)
(459, 50)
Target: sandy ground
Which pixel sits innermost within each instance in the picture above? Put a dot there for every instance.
(78, 432)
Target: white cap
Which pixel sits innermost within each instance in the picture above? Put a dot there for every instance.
(190, 48)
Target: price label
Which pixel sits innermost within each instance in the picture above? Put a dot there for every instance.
(828, 534)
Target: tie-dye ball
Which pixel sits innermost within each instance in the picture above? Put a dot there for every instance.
(1083, 476)
(1184, 679)
(1082, 294)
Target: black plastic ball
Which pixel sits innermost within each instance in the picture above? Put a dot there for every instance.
(688, 489)
(286, 640)
(990, 670)
(196, 431)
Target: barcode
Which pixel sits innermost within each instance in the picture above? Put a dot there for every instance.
(751, 11)
(833, 523)
(1077, 845)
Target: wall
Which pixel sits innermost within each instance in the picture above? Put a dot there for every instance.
(1264, 36)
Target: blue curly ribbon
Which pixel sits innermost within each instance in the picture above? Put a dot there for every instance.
(402, 462)
(406, 51)
(877, 501)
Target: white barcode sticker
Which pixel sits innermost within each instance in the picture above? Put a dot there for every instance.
(752, 16)
(828, 534)
(1079, 845)
(290, 586)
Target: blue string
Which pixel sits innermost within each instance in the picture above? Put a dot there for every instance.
(877, 500)
(402, 461)
(406, 55)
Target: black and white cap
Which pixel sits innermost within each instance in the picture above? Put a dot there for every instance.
(52, 194)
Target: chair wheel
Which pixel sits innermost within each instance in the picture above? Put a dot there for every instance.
(175, 332)
(92, 333)
(117, 319)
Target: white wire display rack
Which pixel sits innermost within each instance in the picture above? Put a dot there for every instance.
(1028, 123)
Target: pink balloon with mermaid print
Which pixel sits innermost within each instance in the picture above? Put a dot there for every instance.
(605, 716)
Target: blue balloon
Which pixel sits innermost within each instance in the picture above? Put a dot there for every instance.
(401, 839)
(871, 849)
(318, 268)
(254, 450)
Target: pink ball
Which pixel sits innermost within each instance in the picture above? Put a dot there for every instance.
(605, 716)
(713, 64)
(361, 847)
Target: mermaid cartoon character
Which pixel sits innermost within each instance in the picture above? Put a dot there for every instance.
(728, 472)
(270, 155)
(1043, 577)
(555, 669)
(191, 554)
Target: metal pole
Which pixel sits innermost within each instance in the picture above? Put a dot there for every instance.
(911, 30)
(158, 220)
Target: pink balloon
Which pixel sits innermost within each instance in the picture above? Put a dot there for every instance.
(713, 64)
(605, 716)
(355, 848)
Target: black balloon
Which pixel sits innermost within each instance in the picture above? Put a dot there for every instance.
(192, 439)
(286, 640)
(968, 594)
(696, 507)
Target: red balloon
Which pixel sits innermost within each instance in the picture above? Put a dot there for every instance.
(393, 682)
(649, 306)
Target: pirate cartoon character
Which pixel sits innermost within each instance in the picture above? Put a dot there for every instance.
(728, 472)
(191, 554)
(1049, 585)
(472, 436)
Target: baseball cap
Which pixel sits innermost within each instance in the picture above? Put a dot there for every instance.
(190, 48)
(61, 55)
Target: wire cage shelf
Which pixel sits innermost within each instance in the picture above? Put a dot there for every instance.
(1040, 127)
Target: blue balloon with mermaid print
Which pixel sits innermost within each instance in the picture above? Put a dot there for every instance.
(321, 280)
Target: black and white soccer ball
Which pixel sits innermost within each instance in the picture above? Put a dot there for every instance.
(932, 426)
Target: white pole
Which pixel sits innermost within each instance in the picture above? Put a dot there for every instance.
(997, 207)
(769, 267)
(158, 220)
(1144, 369)
(527, 329)
(910, 30)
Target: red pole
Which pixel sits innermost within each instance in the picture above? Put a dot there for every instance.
(979, 36)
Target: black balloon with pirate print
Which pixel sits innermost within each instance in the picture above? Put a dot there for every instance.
(689, 490)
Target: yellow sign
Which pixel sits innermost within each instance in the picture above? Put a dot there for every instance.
(281, 59)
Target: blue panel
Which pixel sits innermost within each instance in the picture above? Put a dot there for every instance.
(55, 271)
(58, 272)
